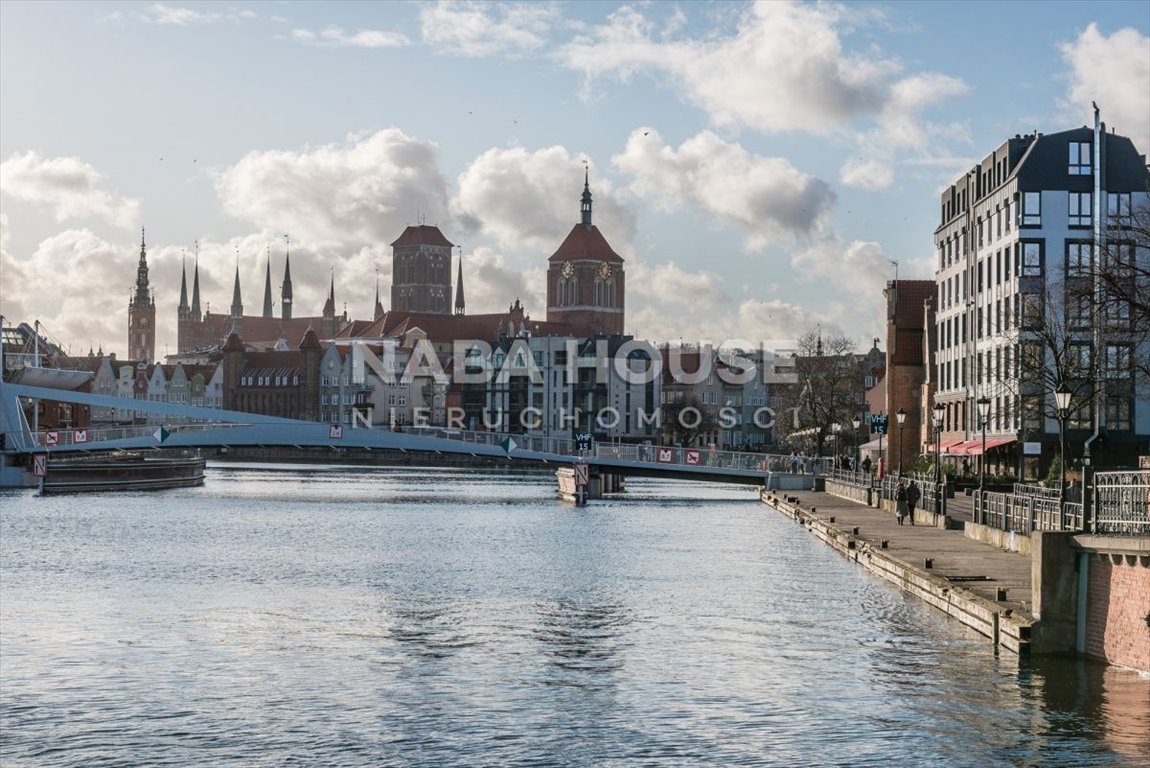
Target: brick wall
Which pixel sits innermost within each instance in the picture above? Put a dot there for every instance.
(1118, 602)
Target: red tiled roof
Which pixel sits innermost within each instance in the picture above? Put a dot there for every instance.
(583, 243)
(423, 234)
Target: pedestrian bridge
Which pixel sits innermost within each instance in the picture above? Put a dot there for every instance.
(183, 426)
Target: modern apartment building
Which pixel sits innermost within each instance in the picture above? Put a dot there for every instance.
(1019, 238)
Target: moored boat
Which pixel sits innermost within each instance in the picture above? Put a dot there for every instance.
(123, 471)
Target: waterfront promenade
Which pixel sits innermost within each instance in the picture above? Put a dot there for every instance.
(954, 555)
(965, 578)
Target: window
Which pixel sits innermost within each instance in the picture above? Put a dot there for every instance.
(1080, 158)
(1031, 209)
(1078, 361)
(1117, 362)
(1079, 214)
(1119, 207)
(1118, 412)
(1078, 258)
(1078, 312)
(1031, 258)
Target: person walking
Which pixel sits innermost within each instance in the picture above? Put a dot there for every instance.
(912, 496)
(900, 502)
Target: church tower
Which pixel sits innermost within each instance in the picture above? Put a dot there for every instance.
(421, 271)
(585, 280)
(237, 312)
(142, 313)
(268, 286)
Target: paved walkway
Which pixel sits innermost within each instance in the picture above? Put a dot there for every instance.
(980, 568)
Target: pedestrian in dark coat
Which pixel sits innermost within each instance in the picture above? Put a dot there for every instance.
(900, 502)
(912, 496)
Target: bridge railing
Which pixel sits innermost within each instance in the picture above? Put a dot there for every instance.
(1122, 502)
(47, 439)
(1026, 513)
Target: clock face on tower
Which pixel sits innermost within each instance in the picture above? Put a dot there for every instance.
(604, 271)
(568, 270)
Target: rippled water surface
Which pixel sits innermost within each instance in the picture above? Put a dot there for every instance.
(347, 616)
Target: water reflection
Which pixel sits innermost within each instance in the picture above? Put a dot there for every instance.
(582, 637)
(1093, 700)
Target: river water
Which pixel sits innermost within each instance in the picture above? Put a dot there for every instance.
(287, 615)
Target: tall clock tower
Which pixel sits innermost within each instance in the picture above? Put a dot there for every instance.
(142, 314)
(585, 280)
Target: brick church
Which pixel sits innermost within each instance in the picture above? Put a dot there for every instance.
(585, 297)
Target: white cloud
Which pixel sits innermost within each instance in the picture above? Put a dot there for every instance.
(68, 185)
(1113, 71)
(160, 13)
(340, 196)
(487, 29)
(859, 268)
(670, 283)
(76, 284)
(784, 68)
(491, 284)
(335, 37)
(529, 201)
(866, 174)
(766, 197)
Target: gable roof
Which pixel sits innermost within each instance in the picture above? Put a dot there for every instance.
(422, 234)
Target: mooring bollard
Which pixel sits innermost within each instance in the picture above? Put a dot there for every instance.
(928, 563)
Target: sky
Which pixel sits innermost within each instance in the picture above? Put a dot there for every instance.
(763, 168)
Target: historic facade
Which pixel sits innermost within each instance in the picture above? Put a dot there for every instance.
(585, 280)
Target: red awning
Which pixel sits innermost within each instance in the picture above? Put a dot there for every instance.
(956, 448)
(976, 449)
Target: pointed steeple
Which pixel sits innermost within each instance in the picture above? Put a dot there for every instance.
(378, 305)
(143, 295)
(460, 305)
(237, 302)
(586, 207)
(329, 305)
(268, 286)
(196, 286)
(183, 309)
(285, 289)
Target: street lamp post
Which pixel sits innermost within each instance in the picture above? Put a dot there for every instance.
(835, 428)
(983, 404)
(1062, 403)
(939, 410)
(900, 417)
(857, 422)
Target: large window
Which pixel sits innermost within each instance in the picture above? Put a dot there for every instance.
(1031, 258)
(1031, 209)
(1078, 258)
(1079, 213)
(1078, 311)
(1118, 413)
(1116, 364)
(1080, 152)
(1119, 208)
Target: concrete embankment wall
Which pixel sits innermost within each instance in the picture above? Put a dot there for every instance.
(1002, 626)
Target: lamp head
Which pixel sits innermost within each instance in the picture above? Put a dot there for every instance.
(983, 404)
(1062, 400)
(900, 416)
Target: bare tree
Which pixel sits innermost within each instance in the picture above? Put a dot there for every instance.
(828, 388)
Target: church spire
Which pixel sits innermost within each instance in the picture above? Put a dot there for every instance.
(143, 297)
(237, 302)
(586, 207)
(268, 286)
(378, 305)
(460, 305)
(183, 308)
(196, 285)
(285, 289)
(329, 305)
